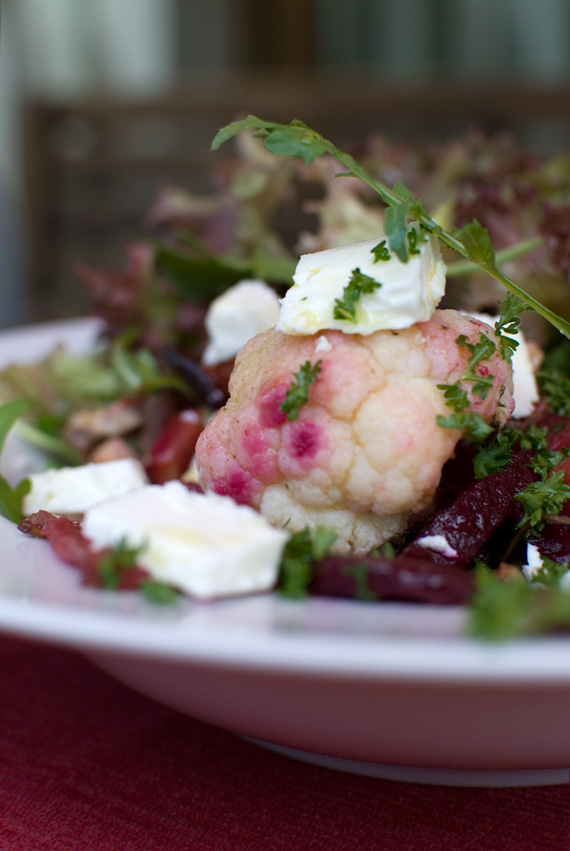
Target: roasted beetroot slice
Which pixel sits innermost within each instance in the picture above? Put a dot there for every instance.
(398, 578)
(553, 542)
(476, 514)
(70, 545)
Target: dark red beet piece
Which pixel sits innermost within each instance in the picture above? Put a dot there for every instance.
(398, 578)
(71, 546)
(553, 542)
(476, 514)
(173, 449)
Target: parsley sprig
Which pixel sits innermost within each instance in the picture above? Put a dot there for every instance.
(301, 551)
(502, 610)
(358, 285)
(298, 393)
(508, 323)
(380, 252)
(543, 498)
(472, 242)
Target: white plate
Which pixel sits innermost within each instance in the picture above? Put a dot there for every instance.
(389, 690)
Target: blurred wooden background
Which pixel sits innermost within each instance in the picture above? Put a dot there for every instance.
(114, 99)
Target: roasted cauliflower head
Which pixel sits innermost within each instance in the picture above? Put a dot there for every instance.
(365, 451)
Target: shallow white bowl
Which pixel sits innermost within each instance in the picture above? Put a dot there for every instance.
(385, 689)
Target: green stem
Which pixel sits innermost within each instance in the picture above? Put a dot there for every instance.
(503, 256)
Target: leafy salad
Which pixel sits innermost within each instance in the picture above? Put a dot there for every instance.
(496, 519)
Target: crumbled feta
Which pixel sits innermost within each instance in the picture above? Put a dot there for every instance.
(322, 345)
(534, 561)
(241, 312)
(204, 544)
(437, 543)
(71, 490)
(409, 292)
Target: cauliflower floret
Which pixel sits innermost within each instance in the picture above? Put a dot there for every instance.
(365, 451)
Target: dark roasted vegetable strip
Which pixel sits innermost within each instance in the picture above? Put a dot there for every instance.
(398, 578)
(476, 514)
(70, 545)
(196, 377)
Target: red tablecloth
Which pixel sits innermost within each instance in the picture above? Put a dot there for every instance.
(87, 764)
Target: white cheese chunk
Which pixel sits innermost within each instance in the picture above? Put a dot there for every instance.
(204, 544)
(240, 313)
(438, 544)
(71, 490)
(408, 292)
(533, 562)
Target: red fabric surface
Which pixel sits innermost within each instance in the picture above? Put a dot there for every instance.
(85, 763)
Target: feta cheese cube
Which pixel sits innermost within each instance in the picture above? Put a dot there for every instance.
(204, 544)
(71, 490)
(408, 292)
(240, 313)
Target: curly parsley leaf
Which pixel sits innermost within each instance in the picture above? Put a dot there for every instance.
(301, 551)
(475, 428)
(508, 323)
(555, 390)
(502, 610)
(380, 252)
(358, 285)
(112, 565)
(455, 396)
(493, 456)
(545, 497)
(415, 237)
(298, 393)
(549, 573)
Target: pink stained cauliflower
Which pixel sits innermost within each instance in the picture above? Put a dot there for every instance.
(365, 451)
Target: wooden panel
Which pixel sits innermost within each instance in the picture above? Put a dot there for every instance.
(92, 166)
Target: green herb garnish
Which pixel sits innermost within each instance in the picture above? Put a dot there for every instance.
(359, 283)
(471, 242)
(301, 551)
(494, 456)
(508, 323)
(113, 564)
(298, 393)
(11, 497)
(541, 499)
(475, 428)
(380, 252)
(502, 610)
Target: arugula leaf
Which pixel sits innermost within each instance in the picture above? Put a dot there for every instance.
(298, 393)
(138, 370)
(11, 497)
(359, 284)
(301, 551)
(472, 242)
